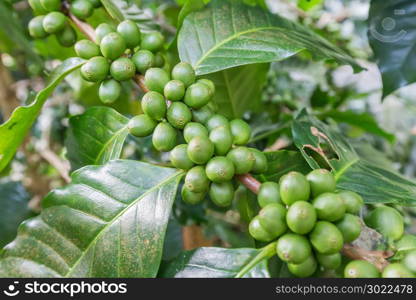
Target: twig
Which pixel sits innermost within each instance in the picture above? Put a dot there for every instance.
(54, 160)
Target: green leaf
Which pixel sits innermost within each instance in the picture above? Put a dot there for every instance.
(230, 34)
(284, 161)
(373, 182)
(14, 130)
(188, 7)
(95, 137)
(14, 201)
(239, 89)
(109, 222)
(392, 37)
(364, 121)
(212, 262)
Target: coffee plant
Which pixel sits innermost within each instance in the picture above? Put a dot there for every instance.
(193, 151)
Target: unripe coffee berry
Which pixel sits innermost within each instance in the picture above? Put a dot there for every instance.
(109, 91)
(141, 125)
(304, 269)
(95, 3)
(241, 131)
(208, 83)
(203, 114)
(54, 22)
(197, 95)
(36, 29)
(219, 169)
(130, 33)
(159, 60)
(329, 207)
(217, 120)
(174, 90)
(301, 217)
(329, 261)
(102, 30)
(386, 220)
(122, 69)
(112, 45)
(260, 162)
(51, 5)
(294, 187)
(326, 238)
(196, 180)
(222, 139)
(192, 197)
(179, 115)
(397, 270)
(268, 193)
(179, 157)
(360, 269)
(154, 105)
(321, 181)
(200, 149)
(81, 9)
(410, 260)
(242, 158)
(37, 7)
(67, 37)
(184, 72)
(269, 224)
(164, 137)
(95, 69)
(350, 227)
(222, 194)
(86, 49)
(293, 248)
(353, 202)
(194, 129)
(152, 41)
(155, 79)
(143, 60)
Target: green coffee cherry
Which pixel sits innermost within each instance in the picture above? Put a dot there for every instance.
(141, 125)
(200, 149)
(269, 223)
(293, 248)
(130, 33)
(109, 91)
(154, 105)
(67, 37)
(174, 90)
(155, 79)
(152, 41)
(54, 22)
(37, 7)
(196, 180)
(260, 162)
(164, 137)
(179, 115)
(321, 181)
(301, 217)
(192, 197)
(329, 207)
(95, 69)
(353, 201)
(197, 95)
(217, 121)
(194, 129)
(396, 270)
(220, 169)
(36, 29)
(222, 194)
(326, 238)
(179, 157)
(203, 114)
(329, 261)
(360, 269)
(51, 5)
(184, 72)
(387, 221)
(222, 138)
(143, 60)
(410, 260)
(242, 158)
(268, 194)
(122, 69)
(208, 83)
(159, 60)
(86, 49)
(95, 3)
(241, 131)
(350, 227)
(81, 9)
(294, 187)
(406, 243)
(102, 30)
(304, 269)
(112, 45)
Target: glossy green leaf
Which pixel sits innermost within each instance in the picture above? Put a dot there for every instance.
(109, 222)
(229, 34)
(188, 7)
(239, 89)
(392, 37)
(212, 262)
(14, 130)
(373, 182)
(14, 200)
(95, 137)
(284, 161)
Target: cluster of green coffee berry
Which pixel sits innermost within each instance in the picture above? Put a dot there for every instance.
(309, 218)
(50, 19)
(118, 54)
(213, 151)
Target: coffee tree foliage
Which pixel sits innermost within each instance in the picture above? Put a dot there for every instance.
(223, 138)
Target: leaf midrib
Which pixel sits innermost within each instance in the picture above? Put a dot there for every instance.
(166, 181)
(113, 137)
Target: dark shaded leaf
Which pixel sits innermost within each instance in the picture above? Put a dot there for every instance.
(284, 161)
